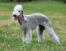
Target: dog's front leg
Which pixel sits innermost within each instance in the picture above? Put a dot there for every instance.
(23, 36)
(27, 36)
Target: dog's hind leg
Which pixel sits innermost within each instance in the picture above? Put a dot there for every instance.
(40, 34)
(51, 32)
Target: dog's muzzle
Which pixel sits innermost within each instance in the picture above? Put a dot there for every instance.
(15, 17)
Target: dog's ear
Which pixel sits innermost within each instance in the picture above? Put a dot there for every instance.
(21, 12)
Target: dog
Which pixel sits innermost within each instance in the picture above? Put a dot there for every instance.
(29, 22)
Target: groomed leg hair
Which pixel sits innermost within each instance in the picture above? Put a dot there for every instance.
(40, 34)
(27, 36)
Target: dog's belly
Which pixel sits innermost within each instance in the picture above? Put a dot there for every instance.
(33, 25)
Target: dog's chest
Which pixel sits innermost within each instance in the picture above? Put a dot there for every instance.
(24, 26)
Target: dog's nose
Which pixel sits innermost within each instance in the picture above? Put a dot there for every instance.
(14, 15)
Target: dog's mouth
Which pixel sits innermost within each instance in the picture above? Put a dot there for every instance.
(15, 18)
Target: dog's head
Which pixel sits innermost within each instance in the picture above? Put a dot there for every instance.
(18, 10)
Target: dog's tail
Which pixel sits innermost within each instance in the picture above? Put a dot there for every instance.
(51, 32)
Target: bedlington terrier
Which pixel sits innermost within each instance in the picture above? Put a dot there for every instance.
(29, 22)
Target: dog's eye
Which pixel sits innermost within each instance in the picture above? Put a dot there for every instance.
(18, 11)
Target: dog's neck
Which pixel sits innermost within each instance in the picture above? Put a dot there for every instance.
(21, 18)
